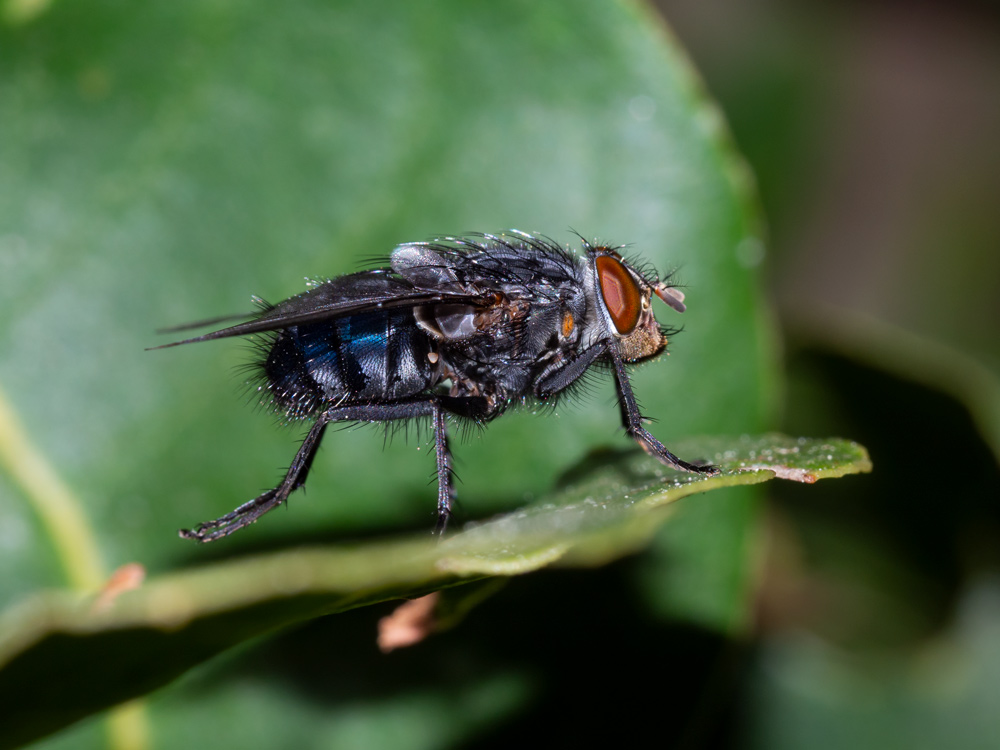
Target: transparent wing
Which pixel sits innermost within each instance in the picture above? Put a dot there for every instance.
(345, 295)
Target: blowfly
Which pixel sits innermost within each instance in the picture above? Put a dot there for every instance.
(460, 327)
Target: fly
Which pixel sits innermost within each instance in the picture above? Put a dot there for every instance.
(462, 327)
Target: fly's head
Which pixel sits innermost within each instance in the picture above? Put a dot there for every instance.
(623, 300)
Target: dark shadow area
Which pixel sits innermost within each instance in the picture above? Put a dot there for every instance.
(925, 520)
(601, 670)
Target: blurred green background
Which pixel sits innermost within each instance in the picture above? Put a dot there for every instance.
(872, 128)
(160, 164)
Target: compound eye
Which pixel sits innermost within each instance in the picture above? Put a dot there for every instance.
(620, 294)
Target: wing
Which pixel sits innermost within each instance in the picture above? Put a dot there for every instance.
(345, 295)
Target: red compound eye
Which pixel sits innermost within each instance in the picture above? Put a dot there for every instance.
(620, 293)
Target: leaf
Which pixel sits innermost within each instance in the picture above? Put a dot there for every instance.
(163, 162)
(86, 647)
(149, 188)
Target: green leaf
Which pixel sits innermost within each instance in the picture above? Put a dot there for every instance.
(86, 646)
(162, 162)
(154, 176)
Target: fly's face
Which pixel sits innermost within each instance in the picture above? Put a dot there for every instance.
(623, 299)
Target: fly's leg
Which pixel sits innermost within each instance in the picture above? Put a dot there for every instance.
(556, 379)
(477, 408)
(632, 421)
(295, 477)
(445, 473)
(249, 512)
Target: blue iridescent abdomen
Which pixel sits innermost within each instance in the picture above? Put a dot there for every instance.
(373, 356)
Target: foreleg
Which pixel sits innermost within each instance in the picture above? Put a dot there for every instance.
(632, 421)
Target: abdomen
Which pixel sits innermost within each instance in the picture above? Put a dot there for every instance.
(372, 357)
